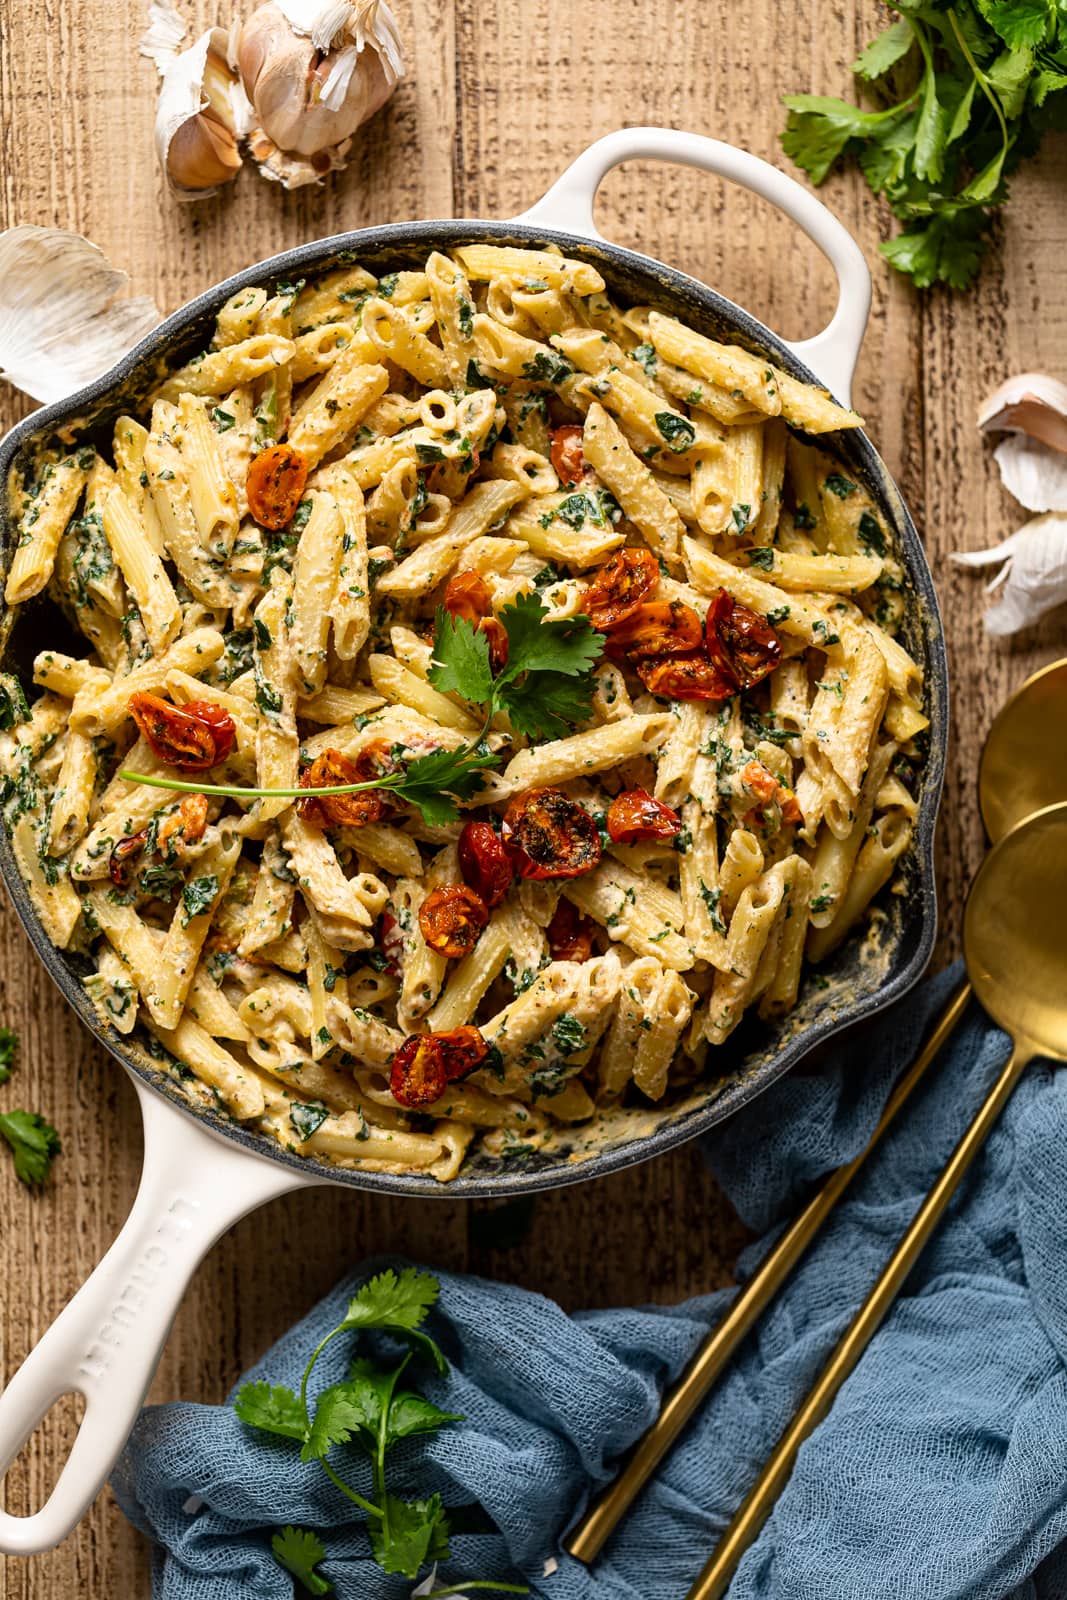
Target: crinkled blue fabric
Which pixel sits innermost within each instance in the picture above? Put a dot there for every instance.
(940, 1474)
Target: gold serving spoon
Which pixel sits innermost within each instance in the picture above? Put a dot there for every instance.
(1015, 946)
(1021, 771)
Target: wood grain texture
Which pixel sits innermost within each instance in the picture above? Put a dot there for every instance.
(490, 113)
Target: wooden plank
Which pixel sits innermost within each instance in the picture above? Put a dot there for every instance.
(487, 119)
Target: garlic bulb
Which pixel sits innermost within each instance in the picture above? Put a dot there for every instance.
(1033, 578)
(314, 70)
(61, 323)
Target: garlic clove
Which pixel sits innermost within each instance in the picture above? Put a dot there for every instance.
(202, 153)
(315, 72)
(1031, 403)
(1033, 578)
(196, 121)
(61, 323)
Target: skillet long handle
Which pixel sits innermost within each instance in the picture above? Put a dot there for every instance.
(106, 1342)
(831, 354)
(587, 1539)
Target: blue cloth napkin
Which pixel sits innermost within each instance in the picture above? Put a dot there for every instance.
(940, 1474)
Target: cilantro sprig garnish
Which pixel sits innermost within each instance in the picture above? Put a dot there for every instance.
(546, 686)
(545, 689)
(373, 1410)
(966, 91)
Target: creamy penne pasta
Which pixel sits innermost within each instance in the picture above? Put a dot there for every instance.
(492, 698)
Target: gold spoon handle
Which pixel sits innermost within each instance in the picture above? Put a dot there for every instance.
(756, 1507)
(588, 1537)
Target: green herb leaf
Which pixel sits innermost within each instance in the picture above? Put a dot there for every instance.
(678, 431)
(460, 659)
(430, 781)
(885, 51)
(307, 1117)
(273, 1409)
(411, 1533)
(34, 1143)
(9, 1043)
(398, 1304)
(199, 896)
(300, 1552)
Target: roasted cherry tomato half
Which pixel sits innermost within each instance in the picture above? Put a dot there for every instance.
(467, 595)
(550, 835)
(627, 578)
(637, 817)
(484, 862)
(768, 790)
(451, 918)
(570, 935)
(740, 642)
(568, 457)
(125, 854)
(657, 628)
(497, 635)
(193, 738)
(463, 1050)
(417, 1075)
(343, 810)
(275, 485)
(685, 678)
(427, 1063)
(184, 826)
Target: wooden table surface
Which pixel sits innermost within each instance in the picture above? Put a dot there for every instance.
(499, 97)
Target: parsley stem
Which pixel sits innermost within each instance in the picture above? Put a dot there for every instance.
(480, 1583)
(240, 793)
(365, 1505)
(980, 77)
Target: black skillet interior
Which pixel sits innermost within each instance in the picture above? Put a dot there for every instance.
(847, 987)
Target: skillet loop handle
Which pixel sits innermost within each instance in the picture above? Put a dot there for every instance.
(831, 354)
(106, 1343)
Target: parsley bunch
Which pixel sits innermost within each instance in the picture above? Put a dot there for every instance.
(34, 1142)
(371, 1409)
(545, 689)
(965, 92)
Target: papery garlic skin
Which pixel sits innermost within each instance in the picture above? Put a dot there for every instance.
(196, 120)
(314, 72)
(1029, 402)
(1033, 473)
(1033, 578)
(61, 323)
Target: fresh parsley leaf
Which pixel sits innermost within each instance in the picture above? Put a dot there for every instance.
(460, 659)
(430, 781)
(307, 1117)
(567, 645)
(678, 431)
(9, 1043)
(389, 1300)
(411, 1533)
(300, 1552)
(34, 1143)
(885, 51)
(273, 1409)
(347, 1409)
(198, 896)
